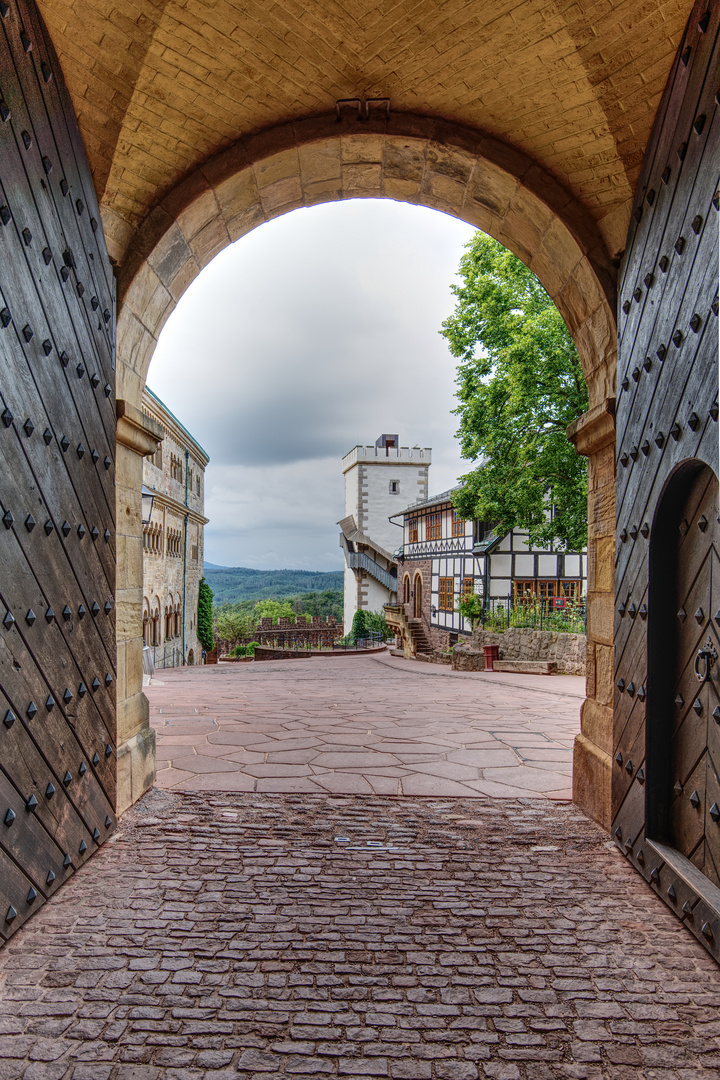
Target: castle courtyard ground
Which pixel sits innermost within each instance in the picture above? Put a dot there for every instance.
(322, 930)
(375, 725)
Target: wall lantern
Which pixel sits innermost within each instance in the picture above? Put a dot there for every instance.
(148, 499)
(433, 610)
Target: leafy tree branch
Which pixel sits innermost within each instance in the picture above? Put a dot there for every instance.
(520, 384)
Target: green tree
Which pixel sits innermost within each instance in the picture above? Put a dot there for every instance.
(328, 602)
(359, 627)
(273, 609)
(520, 383)
(234, 627)
(205, 616)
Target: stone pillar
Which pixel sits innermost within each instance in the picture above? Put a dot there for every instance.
(593, 436)
(137, 436)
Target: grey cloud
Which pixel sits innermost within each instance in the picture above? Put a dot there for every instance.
(315, 332)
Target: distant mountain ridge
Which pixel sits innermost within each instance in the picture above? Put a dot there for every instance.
(233, 583)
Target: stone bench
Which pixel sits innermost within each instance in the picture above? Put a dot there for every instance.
(527, 667)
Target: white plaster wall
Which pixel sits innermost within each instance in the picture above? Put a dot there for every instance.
(349, 597)
(381, 503)
(376, 594)
(368, 474)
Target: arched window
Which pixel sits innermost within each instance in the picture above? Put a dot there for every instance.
(406, 589)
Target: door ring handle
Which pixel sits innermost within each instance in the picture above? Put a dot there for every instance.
(707, 655)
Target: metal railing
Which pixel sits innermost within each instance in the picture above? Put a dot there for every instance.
(370, 640)
(358, 560)
(166, 656)
(534, 613)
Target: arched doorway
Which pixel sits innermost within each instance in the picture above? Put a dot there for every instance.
(417, 597)
(406, 158)
(682, 741)
(406, 589)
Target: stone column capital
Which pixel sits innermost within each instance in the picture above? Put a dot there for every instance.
(135, 430)
(594, 430)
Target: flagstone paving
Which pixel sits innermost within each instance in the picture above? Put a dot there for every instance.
(224, 936)
(364, 725)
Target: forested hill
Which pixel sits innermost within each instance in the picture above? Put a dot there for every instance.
(230, 584)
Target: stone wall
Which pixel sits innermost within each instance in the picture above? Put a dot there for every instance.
(567, 650)
(268, 652)
(297, 631)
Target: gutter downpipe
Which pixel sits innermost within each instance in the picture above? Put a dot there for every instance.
(185, 524)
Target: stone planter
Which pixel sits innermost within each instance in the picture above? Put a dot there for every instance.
(466, 658)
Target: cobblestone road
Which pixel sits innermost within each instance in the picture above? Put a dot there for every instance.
(230, 935)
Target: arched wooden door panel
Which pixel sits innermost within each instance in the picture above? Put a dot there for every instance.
(693, 794)
(57, 487)
(417, 599)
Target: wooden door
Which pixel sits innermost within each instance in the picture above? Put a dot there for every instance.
(694, 797)
(418, 597)
(57, 489)
(667, 451)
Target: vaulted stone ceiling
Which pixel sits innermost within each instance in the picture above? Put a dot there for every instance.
(161, 85)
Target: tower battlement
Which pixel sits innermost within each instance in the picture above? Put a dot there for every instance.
(387, 455)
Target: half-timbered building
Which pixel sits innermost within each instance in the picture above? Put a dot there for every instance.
(444, 557)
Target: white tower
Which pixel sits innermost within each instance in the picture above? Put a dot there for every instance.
(380, 480)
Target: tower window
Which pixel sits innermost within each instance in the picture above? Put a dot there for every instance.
(394, 487)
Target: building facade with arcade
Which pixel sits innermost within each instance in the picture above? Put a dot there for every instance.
(173, 540)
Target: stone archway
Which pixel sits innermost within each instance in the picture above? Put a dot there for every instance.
(414, 159)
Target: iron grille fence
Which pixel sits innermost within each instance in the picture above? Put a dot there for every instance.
(565, 615)
(371, 639)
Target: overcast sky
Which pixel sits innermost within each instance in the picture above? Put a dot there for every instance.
(316, 332)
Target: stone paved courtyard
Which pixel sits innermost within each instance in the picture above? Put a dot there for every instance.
(364, 725)
(223, 934)
(230, 935)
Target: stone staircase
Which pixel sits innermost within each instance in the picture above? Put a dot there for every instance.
(420, 640)
(411, 631)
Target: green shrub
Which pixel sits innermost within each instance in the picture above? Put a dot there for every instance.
(471, 608)
(359, 627)
(204, 616)
(375, 621)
